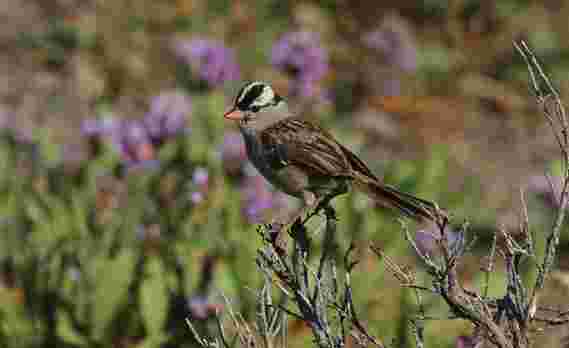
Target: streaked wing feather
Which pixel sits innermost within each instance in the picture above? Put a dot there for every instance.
(302, 144)
(357, 164)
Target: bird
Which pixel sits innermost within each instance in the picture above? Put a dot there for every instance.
(304, 160)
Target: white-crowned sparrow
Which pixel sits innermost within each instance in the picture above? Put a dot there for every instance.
(305, 161)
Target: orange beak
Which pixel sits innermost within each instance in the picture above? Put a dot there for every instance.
(234, 114)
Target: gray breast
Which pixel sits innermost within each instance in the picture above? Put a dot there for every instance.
(255, 152)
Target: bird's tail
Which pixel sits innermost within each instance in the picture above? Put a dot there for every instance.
(414, 207)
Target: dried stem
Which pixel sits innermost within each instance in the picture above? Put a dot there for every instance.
(546, 95)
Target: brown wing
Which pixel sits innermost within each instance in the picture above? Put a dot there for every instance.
(307, 145)
(357, 164)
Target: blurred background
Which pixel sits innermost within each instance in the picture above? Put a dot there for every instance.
(127, 203)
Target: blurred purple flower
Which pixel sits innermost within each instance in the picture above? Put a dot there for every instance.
(129, 137)
(395, 43)
(9, 126)
(6, 119)
(20, 134)
(257, 198)
(467, 342)
(197, 197)
(100, 127)
(301, 55)
(138, 140)
(233, 153)
(547, 188)
(167, 116)
(200, 176)
(134, 144)
(213, 62)
(202, 308)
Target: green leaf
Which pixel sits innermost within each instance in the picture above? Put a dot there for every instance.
(154, 297)
(111, 278)
(66, 332)
(13, 322)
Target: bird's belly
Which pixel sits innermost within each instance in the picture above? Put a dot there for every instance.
(294, 181)
(290, 179)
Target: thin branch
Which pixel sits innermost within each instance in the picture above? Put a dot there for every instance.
(556, 121)
(201, 341)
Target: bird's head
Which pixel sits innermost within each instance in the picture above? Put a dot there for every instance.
(258, 104)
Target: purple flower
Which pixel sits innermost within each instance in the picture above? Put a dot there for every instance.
(129, 137)
(549, 189)
(200, 176)
(197, 197)
(138, 140)
(167, 116)
(6, 119)
(97, 130)
(202, 308)
(467, 342)
(395, 43)
(301, 55)
(134, 144)
(8, 125)
(211, 60)
(257, 198)
(100, 127)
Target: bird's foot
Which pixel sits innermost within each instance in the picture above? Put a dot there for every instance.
(302, 216)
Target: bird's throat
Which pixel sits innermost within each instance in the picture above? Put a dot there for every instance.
(255, 152)
(252, 143)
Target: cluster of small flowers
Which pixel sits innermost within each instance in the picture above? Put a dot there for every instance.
(8, 126)
(301, 55)
(138, 140)
(200, 179)
(396, 48)
(394, 43)
(209, 60)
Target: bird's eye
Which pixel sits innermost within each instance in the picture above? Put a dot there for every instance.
(255, 108)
